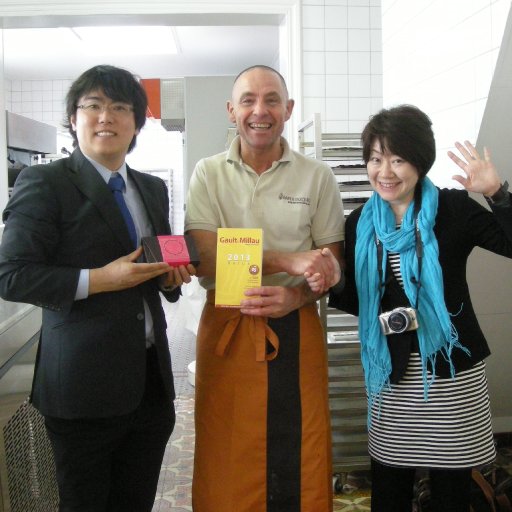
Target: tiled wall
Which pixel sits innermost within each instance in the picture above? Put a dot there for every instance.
(42, 100)
(441, 56)
(342, 62)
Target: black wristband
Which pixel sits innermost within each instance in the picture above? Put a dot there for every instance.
(167, 289)
(500, 196)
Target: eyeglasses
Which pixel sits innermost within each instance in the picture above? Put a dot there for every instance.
(115, 109)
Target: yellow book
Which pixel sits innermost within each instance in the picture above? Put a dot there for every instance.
(239, 262)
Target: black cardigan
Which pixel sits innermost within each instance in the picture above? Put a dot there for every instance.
(461, 224)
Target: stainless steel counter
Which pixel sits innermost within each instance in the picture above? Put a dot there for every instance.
(18, 323)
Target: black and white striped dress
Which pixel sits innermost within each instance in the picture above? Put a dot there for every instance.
(450, 430)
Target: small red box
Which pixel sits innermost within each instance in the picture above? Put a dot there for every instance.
(172, 249)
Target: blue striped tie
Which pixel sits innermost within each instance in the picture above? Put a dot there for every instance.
(116, 184)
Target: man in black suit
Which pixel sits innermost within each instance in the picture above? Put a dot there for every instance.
(103, 378)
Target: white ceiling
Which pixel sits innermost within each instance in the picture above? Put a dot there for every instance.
(209, 45)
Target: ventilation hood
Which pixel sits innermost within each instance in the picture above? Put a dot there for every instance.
(166, 101)
(172, 104)
(30, 135)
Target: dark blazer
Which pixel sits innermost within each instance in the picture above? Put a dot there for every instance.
(461, 224)
(60, 219)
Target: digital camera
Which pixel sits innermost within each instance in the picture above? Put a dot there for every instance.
(398, 320)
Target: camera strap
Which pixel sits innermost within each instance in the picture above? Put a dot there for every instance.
(418, 245)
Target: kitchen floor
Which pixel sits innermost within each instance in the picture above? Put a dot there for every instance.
(175, 484)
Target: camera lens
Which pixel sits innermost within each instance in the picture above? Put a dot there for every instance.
(398, 322)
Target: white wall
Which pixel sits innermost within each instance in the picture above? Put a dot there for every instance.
(342, 62)
(42, 100)
(440, 55)
(491, 275)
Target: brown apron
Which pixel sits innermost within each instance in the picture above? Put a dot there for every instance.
(263, 438)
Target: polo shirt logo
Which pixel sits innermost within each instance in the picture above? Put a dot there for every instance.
(295, 200)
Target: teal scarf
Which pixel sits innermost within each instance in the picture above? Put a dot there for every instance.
(436, 333)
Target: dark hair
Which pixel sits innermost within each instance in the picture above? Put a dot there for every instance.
(267, 68)
(117, 84)
(405, 131)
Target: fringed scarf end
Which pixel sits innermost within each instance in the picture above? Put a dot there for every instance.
(428, 380)
(374, 392)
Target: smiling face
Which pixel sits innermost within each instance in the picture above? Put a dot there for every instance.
(104, 133)
(392, 177)
(260, 107)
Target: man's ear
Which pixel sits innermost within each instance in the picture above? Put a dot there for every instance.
(72, 121)
(289, 108)
(231, 111)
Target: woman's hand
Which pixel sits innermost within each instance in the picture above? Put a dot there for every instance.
(480, 174)
(318, 282)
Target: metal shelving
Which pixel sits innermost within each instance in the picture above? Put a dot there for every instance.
(347, 395)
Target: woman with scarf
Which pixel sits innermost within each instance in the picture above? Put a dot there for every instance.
(407, 248)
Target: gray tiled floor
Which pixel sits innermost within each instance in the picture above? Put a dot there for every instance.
(175, 484)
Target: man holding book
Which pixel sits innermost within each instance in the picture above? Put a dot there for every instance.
(71, 245)
(262, 415)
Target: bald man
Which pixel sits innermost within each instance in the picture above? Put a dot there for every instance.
(262, 422)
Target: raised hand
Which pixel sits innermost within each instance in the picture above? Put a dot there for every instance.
(481, 175)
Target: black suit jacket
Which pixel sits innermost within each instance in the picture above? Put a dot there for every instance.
(461, 224)
(60, 219)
